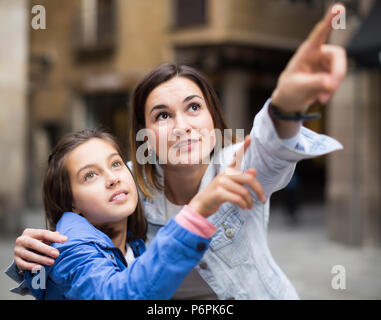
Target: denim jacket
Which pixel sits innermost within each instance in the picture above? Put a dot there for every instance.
(91, 267)
(238, 263)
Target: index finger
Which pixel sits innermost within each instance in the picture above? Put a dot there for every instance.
(238, 156)
(320, 33)
(45, 235)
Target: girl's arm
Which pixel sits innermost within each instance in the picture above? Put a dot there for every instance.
(83, 272)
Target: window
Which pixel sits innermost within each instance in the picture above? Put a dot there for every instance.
(95, 26)
(190, 13)
(109, 111)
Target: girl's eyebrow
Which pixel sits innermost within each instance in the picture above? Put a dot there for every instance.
(94, 165)
(162, 106)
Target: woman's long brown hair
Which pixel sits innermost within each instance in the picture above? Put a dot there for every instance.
(57, 194)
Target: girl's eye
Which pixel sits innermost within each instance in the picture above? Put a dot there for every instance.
(89, 176)
(162, 116)
(116, 164)
(194, 107)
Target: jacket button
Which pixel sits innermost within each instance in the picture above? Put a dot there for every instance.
(229, 232)
(111, 256)
(201, 246)
(203, 265)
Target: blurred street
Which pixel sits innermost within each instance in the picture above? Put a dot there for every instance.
(307, 256)
(303, 251)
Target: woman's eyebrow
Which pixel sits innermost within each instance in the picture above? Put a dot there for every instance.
(91, 165)
(191, 97)
(162, 106)
(158, 107)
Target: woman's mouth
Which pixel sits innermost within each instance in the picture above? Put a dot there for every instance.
(186, 144)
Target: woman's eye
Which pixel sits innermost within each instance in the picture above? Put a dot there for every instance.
(162, 116)
(116, 164)
(90, 176)
(194, 107)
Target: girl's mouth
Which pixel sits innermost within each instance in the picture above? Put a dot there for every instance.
(119, 196)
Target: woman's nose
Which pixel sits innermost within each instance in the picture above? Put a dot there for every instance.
(182, 126)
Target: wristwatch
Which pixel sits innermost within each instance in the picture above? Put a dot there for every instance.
(292, 116)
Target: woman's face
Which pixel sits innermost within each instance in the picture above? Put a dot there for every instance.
(102, 186)
(180, 123)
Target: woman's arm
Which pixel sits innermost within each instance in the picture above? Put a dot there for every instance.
(33, 248)
(315, 72)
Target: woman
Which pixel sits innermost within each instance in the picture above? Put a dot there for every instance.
(174, 103)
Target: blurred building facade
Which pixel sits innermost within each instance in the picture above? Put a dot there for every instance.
(86, 63)
(84, 66)
(13, 109)
(354, 174)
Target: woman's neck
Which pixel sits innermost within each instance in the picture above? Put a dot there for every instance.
(182, 184)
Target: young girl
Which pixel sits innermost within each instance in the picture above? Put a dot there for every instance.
(90, 196)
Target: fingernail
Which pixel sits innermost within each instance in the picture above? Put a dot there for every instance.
(54, 253)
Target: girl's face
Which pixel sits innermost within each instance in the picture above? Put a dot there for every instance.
(102, 186)
(177, 115)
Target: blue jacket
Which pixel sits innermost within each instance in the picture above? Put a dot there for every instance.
(90, 267)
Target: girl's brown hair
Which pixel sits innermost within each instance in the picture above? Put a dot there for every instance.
(146, 175)
(57, 194)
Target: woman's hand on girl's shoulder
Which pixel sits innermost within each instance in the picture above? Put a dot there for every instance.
(228, 186)
(33, 248)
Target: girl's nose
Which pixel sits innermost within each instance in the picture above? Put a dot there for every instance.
(112, 181)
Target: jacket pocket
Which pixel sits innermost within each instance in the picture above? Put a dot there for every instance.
(228, 241)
